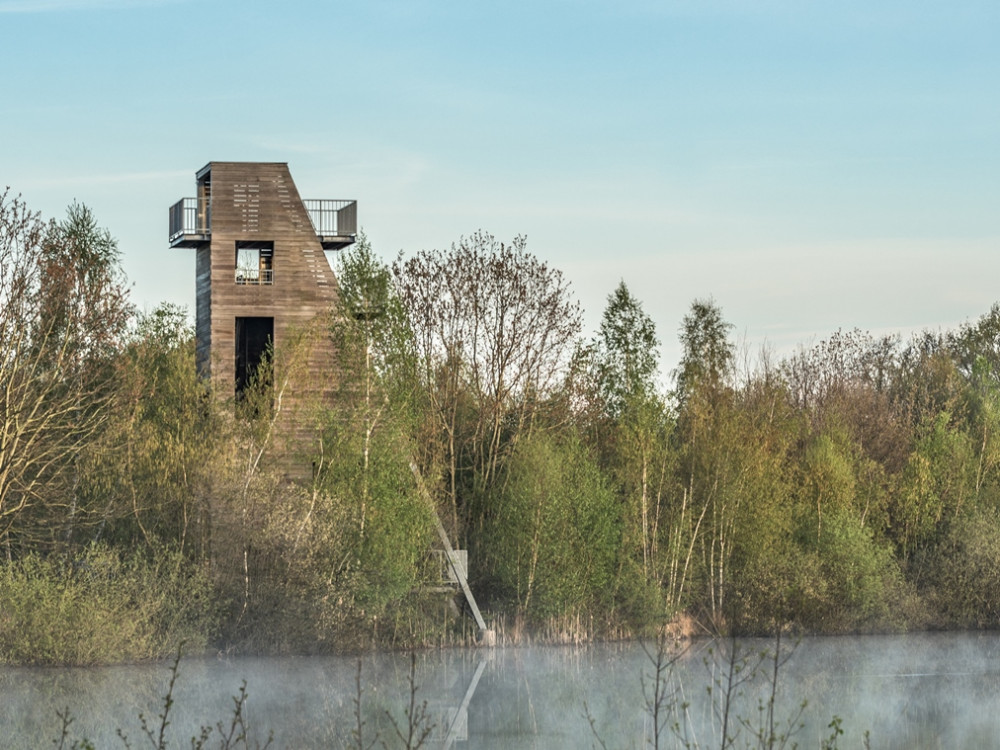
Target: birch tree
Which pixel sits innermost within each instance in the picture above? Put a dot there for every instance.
(626, 365)
(708, 440)
(63, 305)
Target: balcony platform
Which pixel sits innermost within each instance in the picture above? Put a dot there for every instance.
(334, 221)
(191, 240)
(336, 241)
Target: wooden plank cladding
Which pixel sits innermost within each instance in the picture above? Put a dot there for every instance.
(260, 256)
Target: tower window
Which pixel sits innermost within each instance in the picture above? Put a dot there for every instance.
(254, 263)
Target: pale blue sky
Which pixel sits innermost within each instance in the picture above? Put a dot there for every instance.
(809, 165)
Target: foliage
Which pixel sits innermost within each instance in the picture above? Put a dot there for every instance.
(962, 573)
(148, 475)
(708, 354)
(709, 439)
(551, 545)
(63, 308)
(371, 328)
(852, 486)
(854, 578)
(493, 327)
(934, 485)
(626, 356)
(100, 607)
(631, 433)
(392, 537)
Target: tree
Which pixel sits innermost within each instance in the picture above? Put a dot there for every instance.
(846, 384)
(146, 477)
(975, 350)
(352, 541)
(83, 293)
(935, 485)
(634, 440)
(63, 306)
(493, 326)
(375, 357)
(963, 572)
(977, 345)
(370, 437)
(551, 545)
(709, 437)
(626, 355)
(707, 352)
(371, 323)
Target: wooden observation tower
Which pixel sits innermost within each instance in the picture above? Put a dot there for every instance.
(262, 271)
(262, 280)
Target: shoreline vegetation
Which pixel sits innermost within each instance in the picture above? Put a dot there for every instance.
(851, 487)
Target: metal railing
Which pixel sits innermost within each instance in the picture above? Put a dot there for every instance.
(332, 218)
(254, 276)
(190, 216)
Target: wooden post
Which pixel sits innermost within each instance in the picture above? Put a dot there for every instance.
(460, 574)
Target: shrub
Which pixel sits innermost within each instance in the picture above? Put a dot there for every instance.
(98, 607)
(855, 578)
(962, 574)
(551, 544)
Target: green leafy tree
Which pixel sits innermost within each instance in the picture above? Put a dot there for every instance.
(82, 293)
(707, 358)
(149, 474)
(551, 547)
(709, 440)
(962, 575)
(756, 549)
(633, 434)
(975, 349)
(378, 385)
(626, 354)
(363, 479)
(829, 477)
(848, 580)
(935, 486)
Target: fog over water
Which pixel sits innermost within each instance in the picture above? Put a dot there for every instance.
(921, 690)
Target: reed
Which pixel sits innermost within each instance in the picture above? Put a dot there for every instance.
(733, 670)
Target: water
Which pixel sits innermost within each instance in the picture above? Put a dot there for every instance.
(922, 690)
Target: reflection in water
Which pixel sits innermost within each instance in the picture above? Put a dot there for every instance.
(458, 724)
(923, 690)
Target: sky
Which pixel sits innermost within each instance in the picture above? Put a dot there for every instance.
(808, 166)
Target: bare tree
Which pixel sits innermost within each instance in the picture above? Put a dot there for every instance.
(62, 304)
(494, 327)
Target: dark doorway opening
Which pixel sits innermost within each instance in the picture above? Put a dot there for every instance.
(254, 338)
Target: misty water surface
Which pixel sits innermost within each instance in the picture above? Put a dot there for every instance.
(922, 690)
